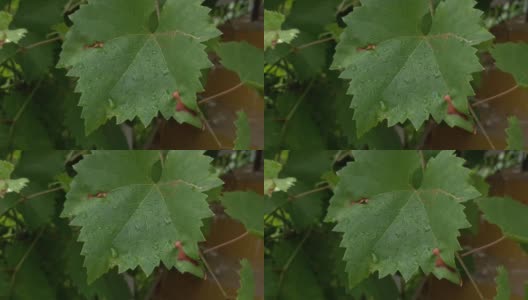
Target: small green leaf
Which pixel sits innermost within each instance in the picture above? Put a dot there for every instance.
(271, 181)
(247, 282)
(273, 33)
(503, 285)
(244, 59)
(512, 58)
(248, 208)
(8, 185)
(7, 35)
(243, 132)
(508, 214)
(515, 135)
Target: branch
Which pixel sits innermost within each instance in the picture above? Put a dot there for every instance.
(20, 112)
(309, 192)
(469, 276)
(214, 277)
(211, 131)
(317, 42)
(221, 93)
(23, 259)
(481, 128)
(294, 110)
(484, 247)
(479, 102)
(226, 243)
(22, 49)
(292, 257)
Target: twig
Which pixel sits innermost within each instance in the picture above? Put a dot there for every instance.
(23, 259)
(481, 128)
(309, 192)
(226, 243)
(292, 257)
(317, 42)
(293, 110)
(469, 276)
(38, 44)
(211, 131)
(221, 93)
(214, 276)
(20, 112)
(483, 247)
(479, 102)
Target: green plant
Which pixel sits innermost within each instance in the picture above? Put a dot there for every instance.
(378, 224)
(78, 74)
(107, 224)
(377, 74)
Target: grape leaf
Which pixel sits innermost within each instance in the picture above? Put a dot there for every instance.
(508, 214)
(512, 58)
(244, 59)
(126, 71)
(273, 34)
(247, 282)
(8, 185)
(398, 73)
(515, 139)
(248, 208)
(243, 132)
(130, 219)
(503, 286)
(384, 198)
(6, 35)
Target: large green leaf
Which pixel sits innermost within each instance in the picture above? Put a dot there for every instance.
(508, 214)
(385, 197)
(129, 217)
(513, 58)
(400, 70)
(126, 70)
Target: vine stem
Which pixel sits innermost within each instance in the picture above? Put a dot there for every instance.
(40, 194)
(221, 93)
(483, 247)
(309, 192)
(481, 128)
(157, 6)
(292, 257)
(214, 276)
(20, 112)
(469, 276)
(23, 259)
(294, 110)
(211, 131)
(39, 44)
(316, 42)
(479, 102)
(226, 243)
